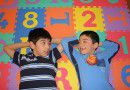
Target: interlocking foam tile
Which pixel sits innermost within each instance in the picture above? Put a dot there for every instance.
(44, 3)
(7, 20)
(107, 3)
(60, 3)
(78, 33)
(8, 4)
(13, 79)
(102, 35)
(27, 20)
(3, 23)
(119, 20)
(120, 72)
(123, 39)
(88, 18)
(4, 73)
(64, 78)
(5, 39)
(59, 22)
(32, 4)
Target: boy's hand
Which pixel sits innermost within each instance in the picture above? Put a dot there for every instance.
(56, 41)
(91, 60)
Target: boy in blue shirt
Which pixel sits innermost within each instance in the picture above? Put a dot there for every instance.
(92, 66)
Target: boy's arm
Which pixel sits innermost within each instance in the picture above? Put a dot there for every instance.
(67, 45)
(110, 49)
(10, 49)
(59, 46)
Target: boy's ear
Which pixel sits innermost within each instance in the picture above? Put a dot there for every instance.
(96, 45)
(32, 46)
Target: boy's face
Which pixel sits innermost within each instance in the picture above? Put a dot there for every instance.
(86, 45)
(42, 47)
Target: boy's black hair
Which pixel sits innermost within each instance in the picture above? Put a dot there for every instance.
(38, 33)
(93, 35)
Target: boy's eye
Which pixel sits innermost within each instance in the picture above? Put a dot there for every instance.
(83, 41)
(46, 43)
(43, 42)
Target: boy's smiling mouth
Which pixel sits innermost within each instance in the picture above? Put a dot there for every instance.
(82, 48)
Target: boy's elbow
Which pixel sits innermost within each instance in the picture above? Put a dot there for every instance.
(5, 48)
(8, 51)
